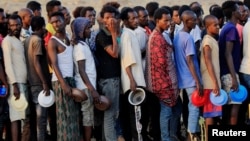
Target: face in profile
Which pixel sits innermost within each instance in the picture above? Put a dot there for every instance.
(67, 16)
(132, 21)
(192, 21)
(214, 27)
(143, 18)
(91, 16)
(87, 31)
(176, 18)
(164, 22)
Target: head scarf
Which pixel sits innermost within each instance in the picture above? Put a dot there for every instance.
(79, 26)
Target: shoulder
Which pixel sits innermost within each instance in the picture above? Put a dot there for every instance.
(228, 27)
(35, 38)
(52, 42)
(207, 39)
(101, 33)
(127, 33)
(6, 40)
(155, 36)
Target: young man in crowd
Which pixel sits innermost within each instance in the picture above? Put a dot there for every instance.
(162, 77)
(151, 7)
(16, 71)
(51, 7)
(60, 54)
(188, 69)
(90, 13)
(140, 31)
(210, 70)
(26, 14)
(35, 7)
(85, 73)
(108, 68)
(66, 14)
(38, 74)
(230, 59)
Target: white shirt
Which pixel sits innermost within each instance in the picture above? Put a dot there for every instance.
(14, 60)
(245, 63)
(167, 37)
(82, 52)
(142, 37)
(131, 56)
(143, 42)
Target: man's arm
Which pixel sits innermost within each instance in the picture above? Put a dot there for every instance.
(85, 78)
(133, 84)
(194, 74)
(208, 61)
(52, 53)
(230, 64)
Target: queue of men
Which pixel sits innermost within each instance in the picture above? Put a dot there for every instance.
(168, 51)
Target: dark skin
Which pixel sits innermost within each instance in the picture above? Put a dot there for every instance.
(189, 21)
(54, 48)
(212, 26)
(229, 58)
(143, 18)
(228, 52)
(132, 23)
(111, 24)
(15, 26)
(82, 67)
(163, 23)
(37, 65)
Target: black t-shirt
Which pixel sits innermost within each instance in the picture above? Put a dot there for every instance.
(108, 67)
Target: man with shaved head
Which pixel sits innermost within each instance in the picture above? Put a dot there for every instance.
(188, 69)
(210, 69)
(26, 15)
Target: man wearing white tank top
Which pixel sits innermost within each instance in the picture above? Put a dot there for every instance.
(60, 54)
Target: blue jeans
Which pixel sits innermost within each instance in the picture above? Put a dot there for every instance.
(193, 114)
(41, 113)
(169, 117)
(111, 89)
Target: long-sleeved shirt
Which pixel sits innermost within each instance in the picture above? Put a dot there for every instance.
(14, 60)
